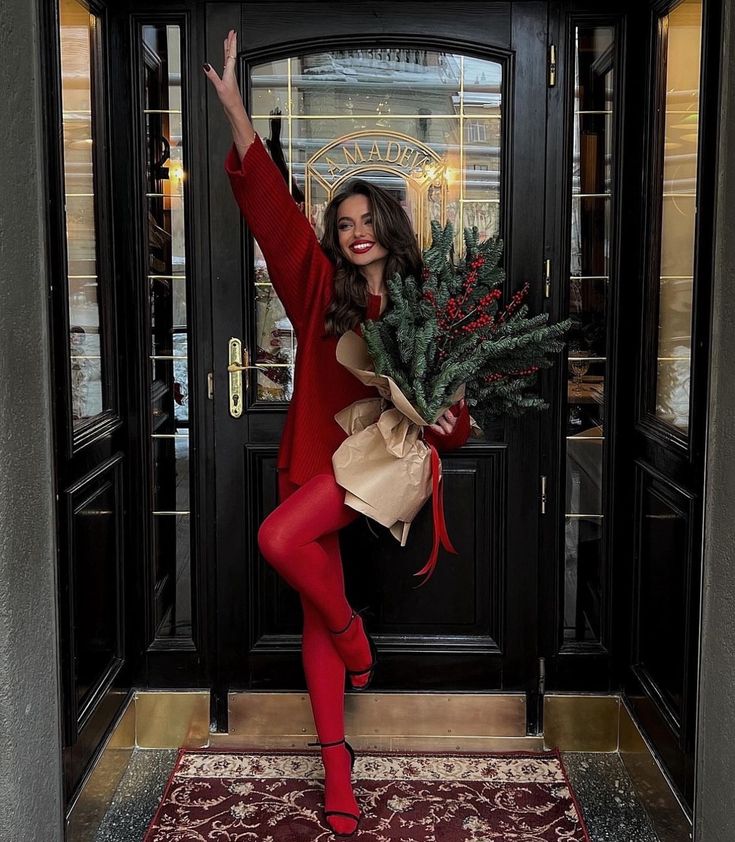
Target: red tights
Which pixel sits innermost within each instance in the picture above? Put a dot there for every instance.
(300, 540)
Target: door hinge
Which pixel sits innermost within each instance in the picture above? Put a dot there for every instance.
(547, 278)
(552, 65)
(541, 676)
(210, 385)
(543, 494)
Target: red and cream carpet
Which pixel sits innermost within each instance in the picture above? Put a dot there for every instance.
(276, 796)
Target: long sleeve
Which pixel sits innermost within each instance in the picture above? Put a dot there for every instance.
(298, 268)
(458, 436)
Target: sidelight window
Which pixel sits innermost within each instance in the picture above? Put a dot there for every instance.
(167, 325)
(425, 125)
(677, 89)
(82, 104)
(588, 295)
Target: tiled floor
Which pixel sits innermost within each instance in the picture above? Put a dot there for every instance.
(612, 812)
(137, 796)
(611, 809)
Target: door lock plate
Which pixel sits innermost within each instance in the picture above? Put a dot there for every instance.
(238, 362)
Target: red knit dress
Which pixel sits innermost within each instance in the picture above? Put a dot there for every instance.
(303, 277)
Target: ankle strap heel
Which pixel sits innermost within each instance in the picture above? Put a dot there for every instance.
(369, 670)
(328, 813)
(338, 743)
(353, 614)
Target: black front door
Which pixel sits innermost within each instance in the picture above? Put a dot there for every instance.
(467, 87)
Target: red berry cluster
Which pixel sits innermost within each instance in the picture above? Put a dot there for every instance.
(493, 295)
(470, 281)
(446, 318)
(499, 375)
(514, 304)
(455, 320)
(484, 319)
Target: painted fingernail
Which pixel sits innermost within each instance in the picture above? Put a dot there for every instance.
(207, 67)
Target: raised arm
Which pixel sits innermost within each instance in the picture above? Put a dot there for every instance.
(298, 268)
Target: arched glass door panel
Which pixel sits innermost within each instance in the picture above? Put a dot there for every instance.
(425, 125)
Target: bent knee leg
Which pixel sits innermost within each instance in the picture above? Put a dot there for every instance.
(274, 541)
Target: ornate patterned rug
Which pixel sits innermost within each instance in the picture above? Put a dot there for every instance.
(276, 796)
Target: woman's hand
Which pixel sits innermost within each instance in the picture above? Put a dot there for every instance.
(446, 422)
(227, 87)
(228, 92)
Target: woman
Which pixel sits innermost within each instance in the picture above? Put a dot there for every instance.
(326, 289)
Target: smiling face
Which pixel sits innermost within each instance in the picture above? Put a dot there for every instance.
(368, 237)
(357, 240)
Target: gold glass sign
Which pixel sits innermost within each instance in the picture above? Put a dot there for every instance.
(362, 154)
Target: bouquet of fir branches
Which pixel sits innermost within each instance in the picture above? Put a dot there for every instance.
(451, 327)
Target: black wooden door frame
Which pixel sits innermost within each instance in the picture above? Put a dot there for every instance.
(574, 669)
(206, 664)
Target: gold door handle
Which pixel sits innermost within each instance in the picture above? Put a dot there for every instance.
(239, 361)
(235, 367)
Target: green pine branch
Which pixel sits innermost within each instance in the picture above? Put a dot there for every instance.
(429, 362)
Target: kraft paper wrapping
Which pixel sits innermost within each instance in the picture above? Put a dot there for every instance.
(384, 465)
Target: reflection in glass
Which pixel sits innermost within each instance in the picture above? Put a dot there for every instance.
(77, 36)
(163, 121)
(584, 473)
(590, 224)
(582, 539)
(683, 28)
(589, 270)
(424, 125)
(276, 344)
(171, 538)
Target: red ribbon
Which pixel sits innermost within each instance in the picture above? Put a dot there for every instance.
(440, 527)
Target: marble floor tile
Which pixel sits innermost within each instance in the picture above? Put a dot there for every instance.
(611, 809)
(137, 797)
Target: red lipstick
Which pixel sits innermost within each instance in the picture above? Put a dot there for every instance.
(361, 246)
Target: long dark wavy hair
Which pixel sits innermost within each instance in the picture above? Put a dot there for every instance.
(391, 228)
